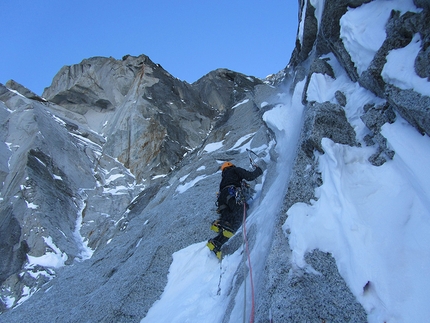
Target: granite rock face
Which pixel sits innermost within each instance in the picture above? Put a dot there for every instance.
(89, 199)
(150, 119)
(75, 172)
(116, 167)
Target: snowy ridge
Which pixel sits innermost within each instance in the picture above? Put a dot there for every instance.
(362, 220)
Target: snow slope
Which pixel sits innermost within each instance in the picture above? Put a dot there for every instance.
(375, 222)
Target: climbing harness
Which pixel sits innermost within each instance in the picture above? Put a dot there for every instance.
(241, 195)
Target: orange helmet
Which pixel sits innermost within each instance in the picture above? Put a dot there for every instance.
(225, 165)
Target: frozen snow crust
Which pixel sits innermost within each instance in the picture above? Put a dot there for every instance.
(338, 227)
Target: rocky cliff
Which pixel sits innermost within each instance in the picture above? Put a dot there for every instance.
(115, 168)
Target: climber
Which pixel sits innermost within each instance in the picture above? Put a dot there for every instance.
(230, 203)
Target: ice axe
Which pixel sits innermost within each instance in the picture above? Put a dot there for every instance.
(251, 159)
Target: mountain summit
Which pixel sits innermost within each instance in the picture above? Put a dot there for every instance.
(109, 179)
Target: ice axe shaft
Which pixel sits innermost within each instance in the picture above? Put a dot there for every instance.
(251, 160)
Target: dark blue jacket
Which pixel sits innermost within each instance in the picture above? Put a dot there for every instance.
(234, 175)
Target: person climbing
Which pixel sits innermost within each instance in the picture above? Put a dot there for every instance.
(230, 203)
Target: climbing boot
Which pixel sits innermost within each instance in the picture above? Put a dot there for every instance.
(225, 227)
(215, 247)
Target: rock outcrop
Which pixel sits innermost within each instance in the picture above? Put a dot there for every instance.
(286, 296)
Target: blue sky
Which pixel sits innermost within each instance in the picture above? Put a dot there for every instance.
(189, 38)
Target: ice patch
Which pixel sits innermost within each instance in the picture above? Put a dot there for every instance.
(362, 29)
(182, 188)
(54, 258)
(213, 146)
(400, 68)
(31, 205)
(240, 103)
(242, 140)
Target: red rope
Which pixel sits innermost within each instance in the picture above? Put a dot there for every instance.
(251, 319)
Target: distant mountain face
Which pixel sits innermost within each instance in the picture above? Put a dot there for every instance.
(149, 118)
(115, 167)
